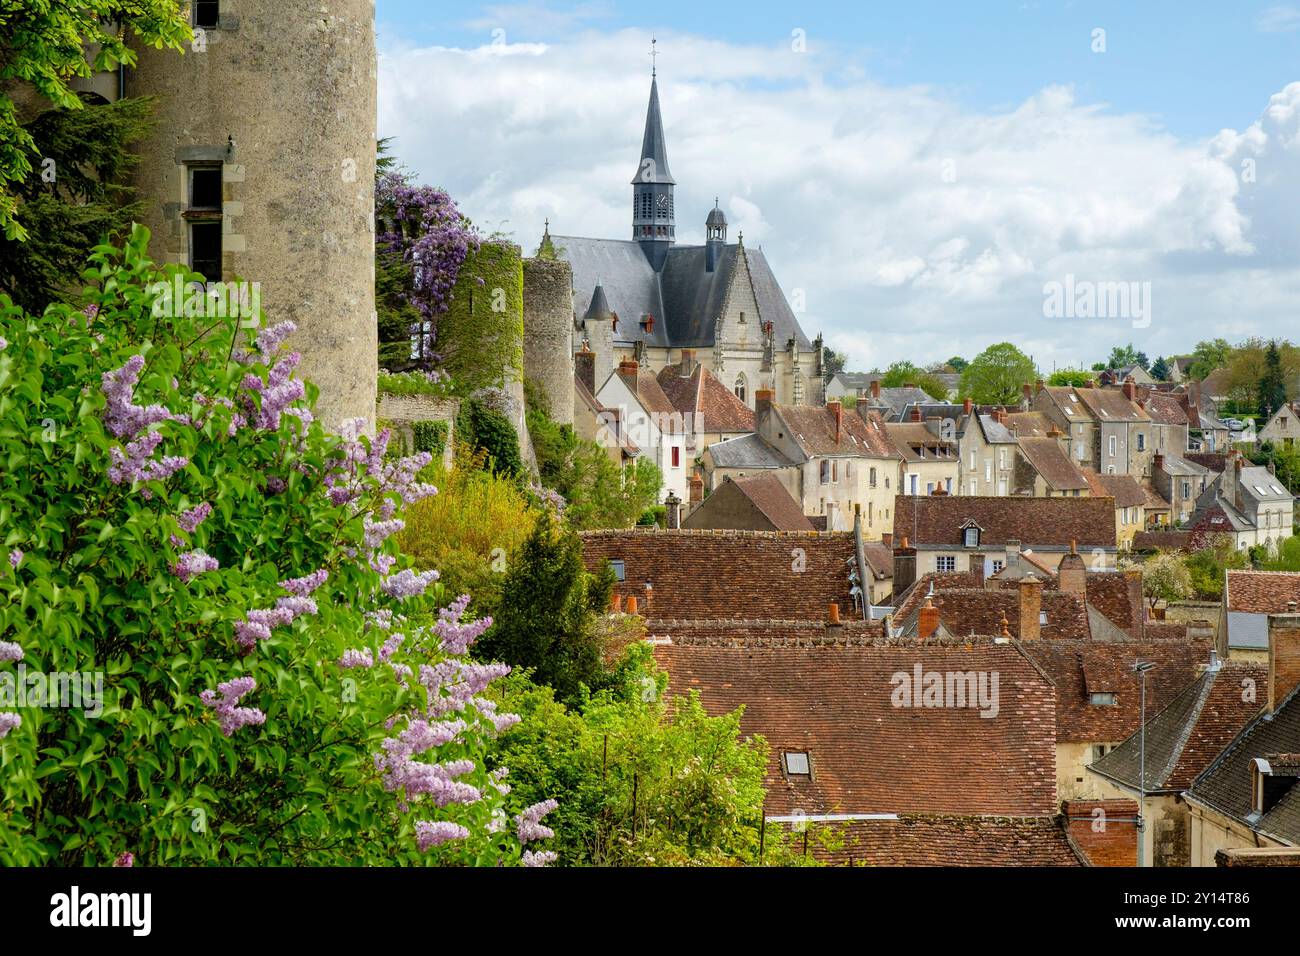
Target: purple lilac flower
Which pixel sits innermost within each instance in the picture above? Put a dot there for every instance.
(122, 416)
(15, 557)
(431, 833)
(357, 658)
(540, 858)
(193, 563)
(376, 532)
(9, 721)
(305, 585)
(135, 464)
(529, 828)
(257, 625)
(390, 646)
(125, 860)
(4, 344)
(10, 651)
(457, 637)
(407, 583)
(231, 717)
(189, 520)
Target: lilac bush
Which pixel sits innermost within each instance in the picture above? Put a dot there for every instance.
(279, 687)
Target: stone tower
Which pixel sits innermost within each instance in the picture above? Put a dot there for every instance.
(261, 166)
(548, 332)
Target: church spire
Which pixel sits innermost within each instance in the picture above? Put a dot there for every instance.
(653, 223)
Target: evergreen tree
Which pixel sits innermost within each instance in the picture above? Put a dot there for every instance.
(1272, 385)
(1160, 371)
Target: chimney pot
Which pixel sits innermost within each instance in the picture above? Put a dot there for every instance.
(763, 399)
(967, 406)
(916, 412)
(1031, 606)
(1027, 390)
(837, 412)
(631, 604)
(875, 388)
(928, 621)
(696, 485)
(833, 614)
(887, 539)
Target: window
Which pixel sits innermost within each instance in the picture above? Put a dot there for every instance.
(677, 457)
(1102, 700)
(974, 487)
(797, 763)
(1002, 459)
(1099, 751)
(1110, 469)
(620, 572)
(914, 482)
(929, 488)
(207, 13)
(947, 485)
(203, 215)
(1111, 446)
(1142, 441)
(826, 471)
(971, 537)
(872, 479)
(998, 565)
(988, 469)
(835, 471)
(1187, 489)
(740, 387)
(972, 459)
(1042, 617)
(945, 562)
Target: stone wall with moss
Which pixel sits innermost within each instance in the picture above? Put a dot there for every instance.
(403, 412)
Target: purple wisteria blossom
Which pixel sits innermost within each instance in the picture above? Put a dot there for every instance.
(528, 827)
(431, 833)
(189, 520)
(4, 344)
(228, 714)
(9, 721)
(10, 651)
(193, 563)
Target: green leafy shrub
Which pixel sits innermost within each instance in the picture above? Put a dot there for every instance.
(430, 437)
(270, 689)
(485, 429)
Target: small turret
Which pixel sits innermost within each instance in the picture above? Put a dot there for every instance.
(715, 231)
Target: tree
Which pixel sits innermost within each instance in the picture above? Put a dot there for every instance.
(547, 618)
(44, 45)
(179, 524)
(1071, 377)
(957, 363)
(1272, 385)
(1160, 370)
(1207, 357)
(1126, 355)
(997, 375)
(1165, 578)
(833, 362)
(80, 199)
(905, 373)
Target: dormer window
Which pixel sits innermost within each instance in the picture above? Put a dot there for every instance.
(1271, 776)
(797, 763)
(970, 536)
(1106, 699)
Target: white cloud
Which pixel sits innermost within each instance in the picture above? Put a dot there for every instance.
(917, 229)
(1280, 19)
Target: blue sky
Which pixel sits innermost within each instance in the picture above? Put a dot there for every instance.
(918, 173)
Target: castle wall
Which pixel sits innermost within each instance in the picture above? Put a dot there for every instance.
(548, 321)
(284, 97)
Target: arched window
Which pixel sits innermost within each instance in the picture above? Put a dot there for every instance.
(740, 387)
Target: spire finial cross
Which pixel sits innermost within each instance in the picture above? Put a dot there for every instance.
(652, 54)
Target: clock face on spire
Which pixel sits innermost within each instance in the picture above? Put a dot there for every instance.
(663, 203)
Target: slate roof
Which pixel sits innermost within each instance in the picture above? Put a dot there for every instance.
(1226, 784)
(653, 145)
(685, 299)
(914, 839)
(1079, 669)
(1182, 468)
(1261, 485)
(895, 400)
(702, 574)
(747, 451)
(836, 703)
(1049, 459)
(1190, 731)
(996, 433)
(1040, 524)
(767, 496)
(700, 393)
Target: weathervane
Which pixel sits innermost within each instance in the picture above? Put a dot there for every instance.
(652, 54)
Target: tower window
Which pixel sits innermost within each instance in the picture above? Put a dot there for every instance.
(207, 13)
(203, 214)
(740, 387)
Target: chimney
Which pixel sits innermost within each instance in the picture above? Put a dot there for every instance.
(687, 368)
(967, 406)
(1072, 573)
(1158, 461)
(1001, 416)
(833, 615)
(887, 539)
(1031, 606)
(904, 566)
(837, 412)
(910, 385)
(673, 510)
(627, 371)
(584, 364)
(631, 604)
(928, 622)
(696, 492)
(875, 388)
(613, 321)
(1038, 386)
(1133, 577)
(1283, 657)
(1194, 394)
(1091, 383)
(1011, 560)
(648, 323)
(763, 399)
(1028, 391)
(916, 413)
(1130, 389)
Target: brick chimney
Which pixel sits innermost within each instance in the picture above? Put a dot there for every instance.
(1031, 606)
(631, 604)
(928, 622)
(1001, 416)
(696, 490)
(875, 388)
(648, 323)
(904, 566)
(627, 371)
(833, 615)
(763, 399)
(1028, 391)
(967, 406)
(1072, 573)
(1091, 383)
(1158, 462)
(910, 385)
(673, 510)
(584, 366)
(1130, 389)
(1039, 386)
(1105, 830)
(687, 368)
(887, 539)
(916, 413)
(837, 413)
(1283, 657)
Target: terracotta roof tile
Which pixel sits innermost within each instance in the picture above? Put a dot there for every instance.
(1037, 523)
(1049, 459)
(1261, 592)
(772, 499)
(936, 840)
(1123, 488)
(702, 394)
